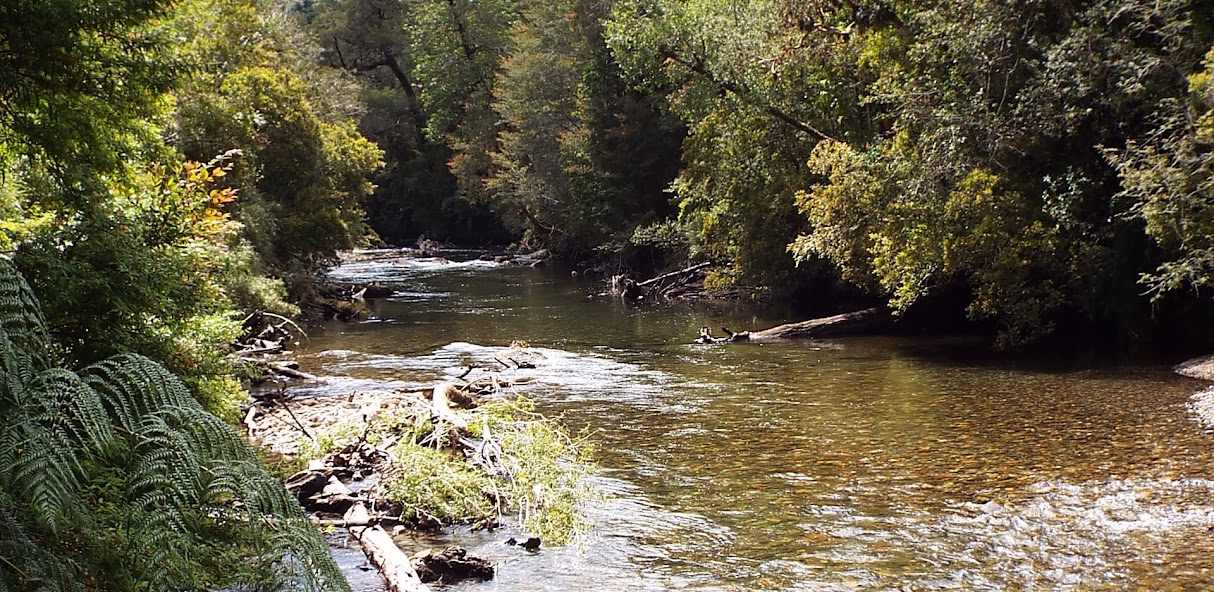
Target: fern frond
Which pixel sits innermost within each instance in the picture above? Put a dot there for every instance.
(27, 566)
(123, 453)
(21, 318)
(67, 402)
(38, 468)
(132, 387)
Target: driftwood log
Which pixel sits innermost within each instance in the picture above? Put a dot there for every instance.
(393, 564)
(851, 323)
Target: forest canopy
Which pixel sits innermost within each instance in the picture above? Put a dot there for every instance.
(1037, 165)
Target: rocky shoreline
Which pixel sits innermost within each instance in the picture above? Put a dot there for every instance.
(1202, 403)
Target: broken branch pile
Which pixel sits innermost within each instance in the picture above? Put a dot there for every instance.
(468, 453)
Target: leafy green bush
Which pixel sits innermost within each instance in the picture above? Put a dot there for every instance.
(116, 478)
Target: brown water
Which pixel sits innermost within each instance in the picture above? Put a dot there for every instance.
(856, 464)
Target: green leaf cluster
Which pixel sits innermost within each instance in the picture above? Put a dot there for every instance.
(1169, 175)
(1008, 151)
(115, 478)
(304, 170)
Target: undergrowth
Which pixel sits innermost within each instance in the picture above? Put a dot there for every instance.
(114, 477)
(519, 464)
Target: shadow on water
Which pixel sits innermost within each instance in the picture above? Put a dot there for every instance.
(855, 464)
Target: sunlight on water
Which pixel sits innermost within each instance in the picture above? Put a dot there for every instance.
(859, 464)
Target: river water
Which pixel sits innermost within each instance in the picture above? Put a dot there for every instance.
(852, 464)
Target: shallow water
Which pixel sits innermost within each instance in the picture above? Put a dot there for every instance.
(854, 464)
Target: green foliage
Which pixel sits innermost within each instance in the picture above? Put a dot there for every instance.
(751, 128)
(1170, 177)
(545, 470)
(431, 487)
(117, 479)
(992, 173)
(582, 160)
(957, 143)
(76, 80)
(136, 257)
(668, 236)
(141, 271)
(425, 69)
(304, 170)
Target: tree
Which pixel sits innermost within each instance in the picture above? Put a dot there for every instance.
(77, 81)
(750, 129)
(412, 68)
(991, 173)
(303, 171)
(106, 238)
(1169, 175)
(582, 159)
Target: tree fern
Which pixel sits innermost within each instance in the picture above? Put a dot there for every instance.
(115, 476)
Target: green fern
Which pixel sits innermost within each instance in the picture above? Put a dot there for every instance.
(117, 477)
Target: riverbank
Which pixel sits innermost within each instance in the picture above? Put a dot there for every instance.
(1201, 368)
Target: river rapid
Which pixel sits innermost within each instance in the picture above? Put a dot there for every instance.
(851, 464)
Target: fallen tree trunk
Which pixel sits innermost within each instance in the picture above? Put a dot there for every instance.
(851, 323)
(284, 369)
(372, 521)
(393, 564)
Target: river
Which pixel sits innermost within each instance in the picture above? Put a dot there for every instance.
(851, 464)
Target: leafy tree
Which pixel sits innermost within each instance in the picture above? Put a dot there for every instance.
(77, 82)
(125, 254)
(411, 65)
(304, 170)
(750, 129)
(988, 170)
(582, 159)
(143, 273)
(1169, 173)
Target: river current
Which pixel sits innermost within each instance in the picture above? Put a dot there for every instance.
(842, 465)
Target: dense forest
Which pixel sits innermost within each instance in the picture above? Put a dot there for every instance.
(1040, 166)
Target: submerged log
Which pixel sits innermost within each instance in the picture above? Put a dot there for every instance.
(451, 566)
(393, 564)
(851, 323)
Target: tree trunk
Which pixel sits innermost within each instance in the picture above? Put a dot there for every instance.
(414, 105)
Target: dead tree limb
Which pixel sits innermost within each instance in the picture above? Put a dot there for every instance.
(852, 323)
(692, 269)
(393, 564)
(285, 370)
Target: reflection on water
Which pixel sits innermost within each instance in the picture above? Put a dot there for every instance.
(860, 464)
